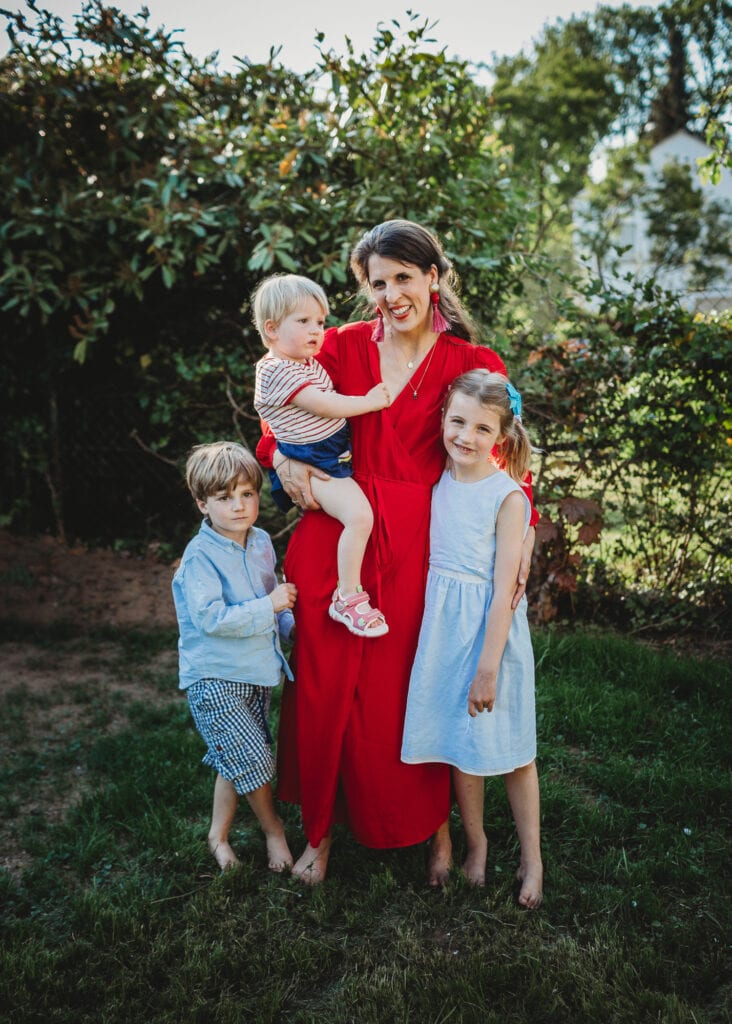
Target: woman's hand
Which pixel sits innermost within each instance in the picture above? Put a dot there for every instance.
(295, 479)
(525, 567)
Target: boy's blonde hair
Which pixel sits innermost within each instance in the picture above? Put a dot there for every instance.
(216, 467)
(279, 295)
(491, 390)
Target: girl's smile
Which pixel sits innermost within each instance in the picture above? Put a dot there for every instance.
(470, 432)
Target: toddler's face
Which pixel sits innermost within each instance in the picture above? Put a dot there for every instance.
(299, 335)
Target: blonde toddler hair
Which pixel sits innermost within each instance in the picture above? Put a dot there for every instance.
(279, 295)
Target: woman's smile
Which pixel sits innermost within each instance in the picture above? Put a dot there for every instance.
(402, 293)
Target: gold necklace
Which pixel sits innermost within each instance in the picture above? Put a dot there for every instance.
(415, 390)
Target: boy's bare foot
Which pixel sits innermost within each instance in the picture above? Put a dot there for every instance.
(223, 854)
(278, 852)
(474, 863)
(440, 863)
(312, 864)
(531, 877)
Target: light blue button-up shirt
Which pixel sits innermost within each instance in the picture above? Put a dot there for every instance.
(228, 627)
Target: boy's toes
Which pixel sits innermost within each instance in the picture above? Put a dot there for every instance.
(223, 855)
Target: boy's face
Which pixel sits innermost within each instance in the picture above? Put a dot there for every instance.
(232, 512)
(299, 335)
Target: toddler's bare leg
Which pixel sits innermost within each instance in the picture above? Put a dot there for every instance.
(469, 791)
(225, 802)
(522, 787)
(261, 802)
(342, 498)
(312, 864)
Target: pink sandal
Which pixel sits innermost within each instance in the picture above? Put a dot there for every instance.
(357, 615)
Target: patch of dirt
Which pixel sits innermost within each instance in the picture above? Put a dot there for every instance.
(56, 693)
(56, 701)
(43, 581)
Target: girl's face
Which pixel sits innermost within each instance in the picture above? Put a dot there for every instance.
(470, 431)
(232, 512)
(402, 293)
(299, 335)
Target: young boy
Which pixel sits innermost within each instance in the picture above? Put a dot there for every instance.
(231, 612)
(296, 397)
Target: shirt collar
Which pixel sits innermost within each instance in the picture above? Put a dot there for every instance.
(224, 543)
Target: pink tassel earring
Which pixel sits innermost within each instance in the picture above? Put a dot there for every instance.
(378, 332)
(439, 323)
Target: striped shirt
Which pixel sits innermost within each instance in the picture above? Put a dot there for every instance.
(277, 382)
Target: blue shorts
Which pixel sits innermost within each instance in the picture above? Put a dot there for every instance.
(231, 719)
(332, 455)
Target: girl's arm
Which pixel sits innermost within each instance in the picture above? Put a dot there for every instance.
(527, 550)
(331, 405)
(509, 541)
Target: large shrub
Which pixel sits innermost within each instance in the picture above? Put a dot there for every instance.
(146, 193)
(629, 397)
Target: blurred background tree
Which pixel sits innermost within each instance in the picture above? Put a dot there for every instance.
(145, 193)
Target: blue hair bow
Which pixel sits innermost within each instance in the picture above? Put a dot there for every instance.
(514, 399)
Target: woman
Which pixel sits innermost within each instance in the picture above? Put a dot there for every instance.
(341, 722)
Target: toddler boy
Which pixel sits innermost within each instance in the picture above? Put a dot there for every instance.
(231, 612)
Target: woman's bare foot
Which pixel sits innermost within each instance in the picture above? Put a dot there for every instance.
(474, 863)
(440, 863)
(531, 877)
(312, 864)
(223, 853)
(278, 852)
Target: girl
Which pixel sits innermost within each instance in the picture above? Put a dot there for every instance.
(474, 661)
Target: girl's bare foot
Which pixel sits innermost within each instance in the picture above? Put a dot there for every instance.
(531, 877)
(223, 854)
(440, 862)
(312, 864)
(278, 852)
(474, 863)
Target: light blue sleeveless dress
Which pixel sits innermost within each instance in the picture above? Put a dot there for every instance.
(437, 726)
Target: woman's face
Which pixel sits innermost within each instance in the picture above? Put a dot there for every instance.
(402, 293)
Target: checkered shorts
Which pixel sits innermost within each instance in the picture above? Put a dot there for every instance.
(232, 721)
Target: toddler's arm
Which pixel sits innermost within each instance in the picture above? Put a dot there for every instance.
(331, 405)
(509, 540)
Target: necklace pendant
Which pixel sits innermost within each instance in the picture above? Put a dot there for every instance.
(410, 365)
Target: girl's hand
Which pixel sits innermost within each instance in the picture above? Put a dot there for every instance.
(295, 478)
(283, 596)
(482, 694)
(523, 574)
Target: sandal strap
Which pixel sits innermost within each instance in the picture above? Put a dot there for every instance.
(353, 605)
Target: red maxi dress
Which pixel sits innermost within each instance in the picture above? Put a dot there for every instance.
(341, 721)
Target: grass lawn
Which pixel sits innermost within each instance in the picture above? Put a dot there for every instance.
(113, 910)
